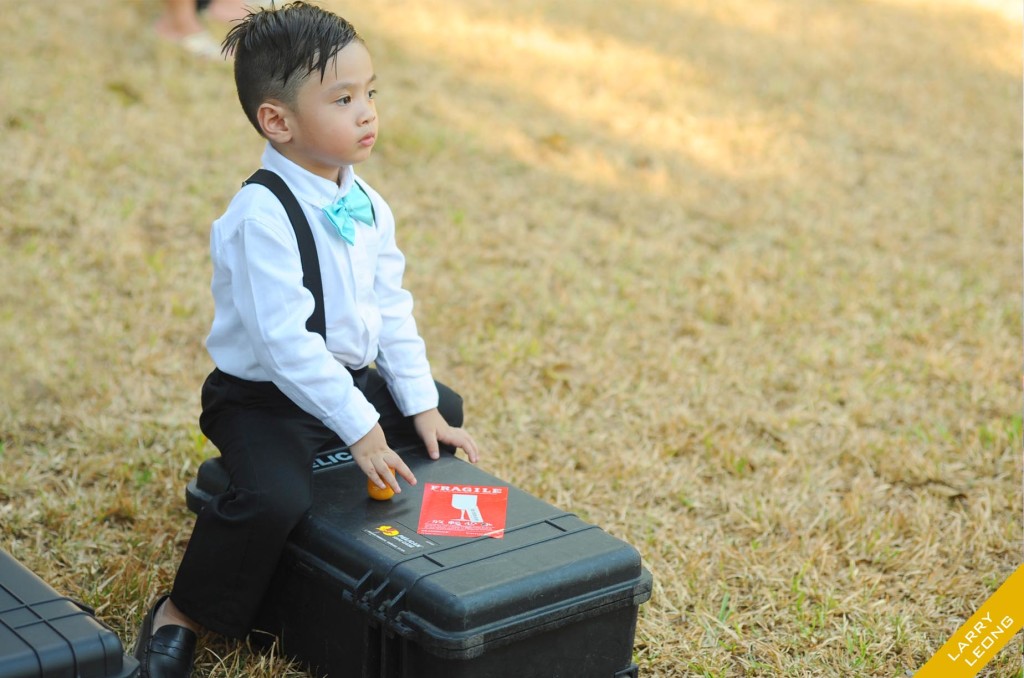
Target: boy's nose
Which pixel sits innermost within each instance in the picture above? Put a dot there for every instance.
(369, 114)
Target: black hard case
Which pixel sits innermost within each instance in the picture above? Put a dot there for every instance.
(555, 598)
(45, 635)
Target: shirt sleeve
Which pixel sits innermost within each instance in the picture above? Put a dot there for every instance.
(402, 356)
(267, 289)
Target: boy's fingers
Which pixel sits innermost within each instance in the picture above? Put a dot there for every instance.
(459, 438)
(429, 436)
(401, 469)
(469, 447)
(380, 473)
(386, 479)
(432, 448)
(376, 477)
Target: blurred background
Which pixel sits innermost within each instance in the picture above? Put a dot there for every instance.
(738, 282)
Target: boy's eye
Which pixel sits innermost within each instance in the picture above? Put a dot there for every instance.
(347, 99)
(373, 94)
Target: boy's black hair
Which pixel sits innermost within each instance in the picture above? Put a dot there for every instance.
(277, 48)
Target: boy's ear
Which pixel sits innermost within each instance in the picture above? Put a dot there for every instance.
(274, 118)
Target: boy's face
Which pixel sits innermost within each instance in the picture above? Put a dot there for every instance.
(334, 121)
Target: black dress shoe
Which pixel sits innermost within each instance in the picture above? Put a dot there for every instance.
(168, 652)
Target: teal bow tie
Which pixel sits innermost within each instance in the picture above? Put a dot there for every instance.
(355, 206)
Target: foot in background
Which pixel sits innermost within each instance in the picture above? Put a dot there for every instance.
(179, 24)
(225, 10)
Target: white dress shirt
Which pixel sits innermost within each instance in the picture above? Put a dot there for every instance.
(260, 305)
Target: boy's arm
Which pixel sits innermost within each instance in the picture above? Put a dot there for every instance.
(267, 290)
(402, 356)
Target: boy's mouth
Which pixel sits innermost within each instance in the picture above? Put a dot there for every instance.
(368, 140)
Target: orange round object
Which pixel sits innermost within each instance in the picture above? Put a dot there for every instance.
(377, 493)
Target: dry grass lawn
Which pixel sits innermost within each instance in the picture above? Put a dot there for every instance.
(738, 281)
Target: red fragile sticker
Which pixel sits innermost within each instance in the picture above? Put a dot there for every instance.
(463, 510)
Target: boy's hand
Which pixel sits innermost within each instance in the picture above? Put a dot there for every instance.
(432, 429)
(373, 455)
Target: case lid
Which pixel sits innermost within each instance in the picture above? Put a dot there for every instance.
(453, 594)
(43, 634)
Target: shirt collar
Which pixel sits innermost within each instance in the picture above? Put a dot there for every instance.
(307, 186)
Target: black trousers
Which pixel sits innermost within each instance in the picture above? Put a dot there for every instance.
(267, 444)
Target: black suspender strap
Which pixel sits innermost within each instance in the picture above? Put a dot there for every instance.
(307, 246)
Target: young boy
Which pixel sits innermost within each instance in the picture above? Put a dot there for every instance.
(292, 376)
